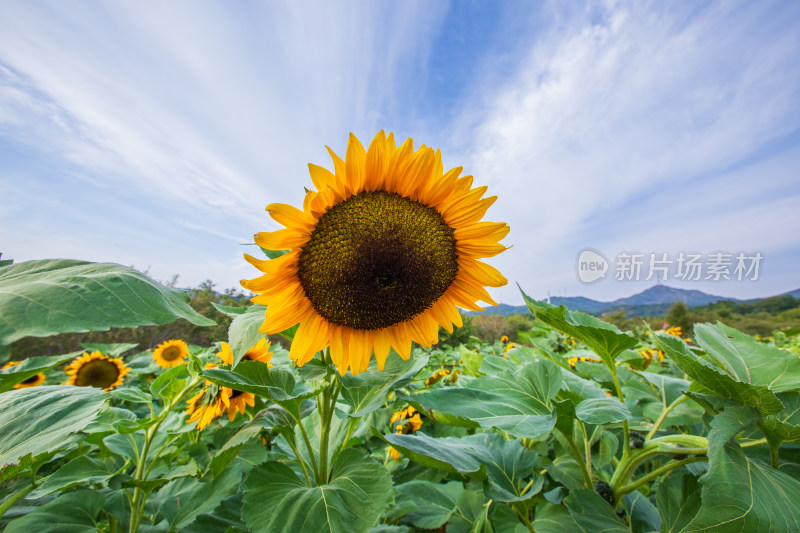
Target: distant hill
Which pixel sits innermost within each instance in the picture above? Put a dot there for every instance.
(795, 293)
(654, 301)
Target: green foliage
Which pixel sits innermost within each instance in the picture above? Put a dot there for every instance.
(581, 427)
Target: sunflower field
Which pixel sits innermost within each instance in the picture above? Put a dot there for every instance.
(366, 424)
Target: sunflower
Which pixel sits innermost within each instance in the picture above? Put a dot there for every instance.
(238, 402)
(406, 427)
(207, 405)
(383, 253)
(33, 381)
(259, 352)
(504, 339)
(96, 370)
(437, 377)
(510, 346)
(170, 353)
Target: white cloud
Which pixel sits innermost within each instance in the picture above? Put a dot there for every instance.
(631, 100)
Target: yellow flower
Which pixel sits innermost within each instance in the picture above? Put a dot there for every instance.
(33, 381)
(207, 405)
(454, 377)
(674, 330)
(504, 339)
(402, 414)
(573, 360)
(510, 346)
(238, 402)
(394, 454)
(436, 377)
(383, 253)
(409, 426)
(170, 353)
(259, 352)
(96, 370)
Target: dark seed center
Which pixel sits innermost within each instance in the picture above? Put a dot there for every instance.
(377, 259)
(31, 379)
(171, 353)
(99, 373)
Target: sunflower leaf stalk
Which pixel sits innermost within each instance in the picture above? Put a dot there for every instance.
(139, 496)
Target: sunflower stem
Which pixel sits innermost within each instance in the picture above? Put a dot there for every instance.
(15, 498)
(139, 496)
(303, 465)
(327, 406)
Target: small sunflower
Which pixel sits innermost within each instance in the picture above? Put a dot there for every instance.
(96, 370)
(259, 352)
(504, 339)
(206, 405)
(33, 381)
(238, 402)
(383, 253)
(437, 377)
(170, 353)
(406, 427)
(573, 360)
(402, 414)
(510, 346)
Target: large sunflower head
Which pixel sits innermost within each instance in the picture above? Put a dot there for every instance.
(170, 353)
(383, 253)
(96, 370)
(33, 381)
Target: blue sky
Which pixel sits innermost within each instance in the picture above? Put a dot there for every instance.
(153, 134)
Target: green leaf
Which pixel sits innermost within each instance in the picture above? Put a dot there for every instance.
(678, 500)
(29, 368)
(435, 503)
(277, 500)
(73, 512)
(42, 298)
(80, 471)
(131, 394)
(243, 332)
(504, 464)
(722, 384)
(170, 383)
(748, 360)
(517, 403)
(230, 310)
(41, 419)
(187, 498)
(604, 339)
(784, 426)
(741, 494)
(366, 392)
(592, 513)
(602, 411)
(257, 378)
(471, 361)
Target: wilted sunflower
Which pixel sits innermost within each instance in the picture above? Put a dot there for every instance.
(170, 353)
(96, 370)
(383, 253)
(33, 381)
(259, 352)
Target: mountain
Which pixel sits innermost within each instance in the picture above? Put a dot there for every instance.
(795, 293)
(654, 301)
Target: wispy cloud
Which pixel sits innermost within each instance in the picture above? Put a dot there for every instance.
(627, 100)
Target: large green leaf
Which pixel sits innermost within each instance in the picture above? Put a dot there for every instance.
(604, 339)
(678, 499)
(41, 298)
(503, 464)
(41, 419)
(748, 360)
(73, 512)
(758, 396)
(277, 500)
(741, 494)
(29, 368)
(592, 513)
(517, 403)
(366, 392)
(82, 470)
(433, 503)
(257, 378)
(602, 411)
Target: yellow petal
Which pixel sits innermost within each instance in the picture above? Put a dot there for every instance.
(355, 161)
